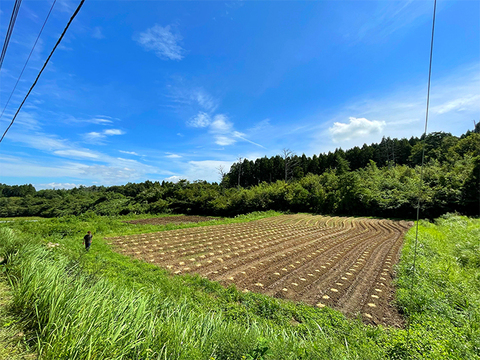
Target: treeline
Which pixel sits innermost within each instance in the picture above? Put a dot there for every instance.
(439, 146)
(451, 183)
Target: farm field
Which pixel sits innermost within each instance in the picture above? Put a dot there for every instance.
(343, 263)
(179, 219)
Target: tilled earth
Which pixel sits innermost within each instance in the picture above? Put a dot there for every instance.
(182, 219)
(344, 263)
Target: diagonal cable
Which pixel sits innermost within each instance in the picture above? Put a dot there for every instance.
(423, 160)
(13, 18)
(43, 67)
(26, 62)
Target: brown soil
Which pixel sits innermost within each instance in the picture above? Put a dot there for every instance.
(344, 263)
(182, 219)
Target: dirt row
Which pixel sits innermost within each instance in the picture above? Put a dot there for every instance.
(181, 219)
(344, 263)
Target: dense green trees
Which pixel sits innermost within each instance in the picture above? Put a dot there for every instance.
(351, 182)
(439, 146)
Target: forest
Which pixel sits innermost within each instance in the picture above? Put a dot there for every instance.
(376, 180)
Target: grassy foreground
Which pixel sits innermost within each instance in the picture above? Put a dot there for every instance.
(102, 305)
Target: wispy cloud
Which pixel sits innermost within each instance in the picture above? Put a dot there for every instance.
(221, 128)
(39, 141)
(172, 156)
(97, 33)
(76, 154)
(97, 119)
(356, 128)
(162, 41)
(54, 185)
(173, 178)
(129, 152)
(225, 134)
(195, 98)
(61, 158)
(110, 132)
(206, 169)
(223, 140)
(98, 137)
(464, 103)
(241, 136)
(25, 120)
(379, 20)
(401, 113)
(200, 120)
(221, 124)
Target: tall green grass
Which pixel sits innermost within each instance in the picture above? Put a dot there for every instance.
(73, 315)
(102, 305)
(442, 298)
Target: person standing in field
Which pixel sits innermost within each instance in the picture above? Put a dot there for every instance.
(87, 240)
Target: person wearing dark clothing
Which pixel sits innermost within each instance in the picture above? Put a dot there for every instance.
(87, 240)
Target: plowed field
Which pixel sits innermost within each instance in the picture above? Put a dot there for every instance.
(182, 219)
(344, 263)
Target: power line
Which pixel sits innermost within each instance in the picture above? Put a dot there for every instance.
(13, 18)
(423, 153)
(26, 62)
(44, 65)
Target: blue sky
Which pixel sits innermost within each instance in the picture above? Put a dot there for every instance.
(158, 90)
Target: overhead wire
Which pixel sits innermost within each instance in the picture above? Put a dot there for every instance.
(43, 67)
(420, 185)
(26, 62)
(13, 18)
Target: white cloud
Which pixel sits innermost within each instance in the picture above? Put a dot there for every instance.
(204, 99)
(94, 135)
(66, 6)
(110, 132)
(172, 156)
(97, 33)
(356, 128)
(65, 48)
(194, 97)
(39, 141)
(54, 185)
(403, 110)
(261, 126)
(105, 169)
(224, 140)
(241, 136)
(468, 102)
(162, 41)
(221, 124)
(173, 179)
(20, 167)
(206, 169)
(97, 119)
(97, 137)
(79, 154)
(200, 120)
(221, 128)
(129, 152)
(382, 19)
(25, 120)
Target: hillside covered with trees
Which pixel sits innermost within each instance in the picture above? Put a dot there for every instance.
(375, 180)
